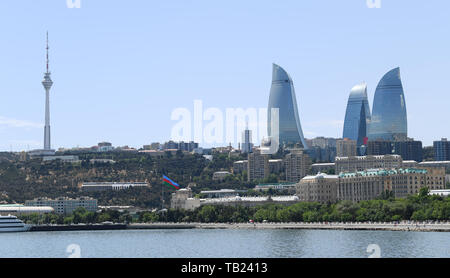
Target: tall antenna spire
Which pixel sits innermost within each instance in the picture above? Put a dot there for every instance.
(47, 83)
(47, 53)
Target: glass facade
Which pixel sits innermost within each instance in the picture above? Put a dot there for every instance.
(389, 120)
(441, 150)
(282, 96)
(357, 116)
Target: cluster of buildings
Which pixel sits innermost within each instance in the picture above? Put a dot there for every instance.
(171, 145)
(373, 156)
(258, 166)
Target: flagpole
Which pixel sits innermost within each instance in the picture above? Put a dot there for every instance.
(162, 196)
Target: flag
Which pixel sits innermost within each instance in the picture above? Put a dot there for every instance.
(168, 181)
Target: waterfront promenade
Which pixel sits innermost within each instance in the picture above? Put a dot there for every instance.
(381, 226)
(375, 226)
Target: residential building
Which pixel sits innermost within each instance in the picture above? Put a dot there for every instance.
(297, 165)
(322, 142)
(346, 147)
(276, 166)
(240, 166)
(257, 166)
(408, 150)
(379, 147)
(441, 150)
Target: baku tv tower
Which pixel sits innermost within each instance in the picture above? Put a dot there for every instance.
(47, 82)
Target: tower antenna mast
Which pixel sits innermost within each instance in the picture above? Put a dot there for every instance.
(47, 53)
(47, 83)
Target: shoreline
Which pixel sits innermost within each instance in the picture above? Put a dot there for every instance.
(422, 227)
(381, 226)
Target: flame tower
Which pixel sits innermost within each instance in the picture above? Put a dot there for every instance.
(47, 83)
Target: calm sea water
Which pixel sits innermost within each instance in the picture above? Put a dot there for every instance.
(223, 243)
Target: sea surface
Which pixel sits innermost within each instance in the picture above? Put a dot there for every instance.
(196, 243)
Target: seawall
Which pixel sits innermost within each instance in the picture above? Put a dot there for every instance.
(379, 226)
(93, 227)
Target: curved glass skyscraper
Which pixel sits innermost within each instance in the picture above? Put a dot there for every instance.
(282, 96)
(357, 116)
(389, 120)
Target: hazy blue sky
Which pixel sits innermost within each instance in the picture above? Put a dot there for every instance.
(120, 67)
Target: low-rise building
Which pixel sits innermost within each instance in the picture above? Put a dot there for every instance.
(65, 205)
(288, 186)
(361, 163)
(436, 164)
(250, 201)
(17, 209)
(322, 167)
(443, 192)
(220, 175)
(63, 158)
(101, 160)
(110, 186)
(319, 188)
(105, 147)
(410, 164)
(182, 199)
(223, 193)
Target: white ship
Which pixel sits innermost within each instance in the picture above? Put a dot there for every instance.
(10, 223)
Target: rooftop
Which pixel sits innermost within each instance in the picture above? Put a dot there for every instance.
(321, 176)
(383, 172)
(368, 156)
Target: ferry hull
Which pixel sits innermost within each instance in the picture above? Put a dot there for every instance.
(25, 228)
